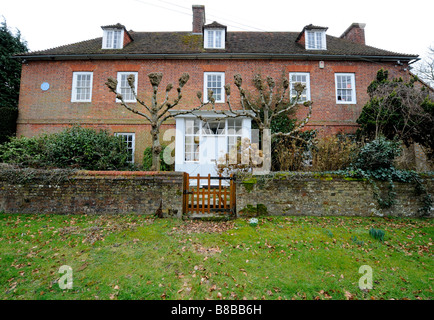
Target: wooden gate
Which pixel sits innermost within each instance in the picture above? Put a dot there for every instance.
(201, 198)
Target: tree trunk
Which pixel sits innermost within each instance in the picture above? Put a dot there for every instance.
(156, 149)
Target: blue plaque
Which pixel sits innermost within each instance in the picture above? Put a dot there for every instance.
(45, 86)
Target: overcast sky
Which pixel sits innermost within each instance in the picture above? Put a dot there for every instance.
(395, 25)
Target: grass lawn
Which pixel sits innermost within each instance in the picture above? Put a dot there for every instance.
(135, 257)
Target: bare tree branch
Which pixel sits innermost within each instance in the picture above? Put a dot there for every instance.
(156, 113)
(425, 68)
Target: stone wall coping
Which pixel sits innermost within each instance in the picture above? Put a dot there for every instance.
(287, 175)
(53, 174)
(164, 176)
(128, 173)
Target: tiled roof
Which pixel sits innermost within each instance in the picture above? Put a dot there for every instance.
(237, 44)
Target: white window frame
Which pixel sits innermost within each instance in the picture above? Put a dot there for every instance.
(319, 43)
(353, 88)
(120, 88)
(75, 87)
(214, 39)
(133, 142)
(205, 86)
(108, 40)
(307, 83)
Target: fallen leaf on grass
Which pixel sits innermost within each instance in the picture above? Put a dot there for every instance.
(348, 295)
(84, 266)
(326, 295)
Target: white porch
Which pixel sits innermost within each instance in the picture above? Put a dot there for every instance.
(199, 144)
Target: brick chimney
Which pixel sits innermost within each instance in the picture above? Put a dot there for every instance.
(198, 18)
(355, 33)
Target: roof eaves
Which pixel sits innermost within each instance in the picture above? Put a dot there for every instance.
(214, 55)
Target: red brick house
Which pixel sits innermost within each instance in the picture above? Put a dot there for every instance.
(66, 85)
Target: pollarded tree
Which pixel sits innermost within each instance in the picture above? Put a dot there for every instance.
(270, 103)
(156, 112)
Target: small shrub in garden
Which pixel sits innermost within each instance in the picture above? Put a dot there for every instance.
(333, 153)
(378, 154)
(88, 149)
(375, 161)
(292, 154)
(75, 147)
(24, 151)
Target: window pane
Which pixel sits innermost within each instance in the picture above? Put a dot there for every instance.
(300, 78)
(192, 126)
(189, 126)
(109, 39)
(214, 83)
(345, 87)
(318, 40)
(192, 138)
(117, 39)
(82, 86)
(310, 40)
(210, 39)
(191, 149)
(218, 94)
(235, 127)
(218, 39)
(128, 139)
(125, 88)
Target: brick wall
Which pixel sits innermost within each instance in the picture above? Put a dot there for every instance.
(52, 110)
(93, 192)
(310, 194)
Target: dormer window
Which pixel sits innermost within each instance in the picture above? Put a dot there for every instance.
(313, 37)
(113, 39)
(315, 40)
(214, 39)
(214, 35)
(115, 36)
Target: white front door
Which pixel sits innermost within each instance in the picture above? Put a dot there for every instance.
(213, 146)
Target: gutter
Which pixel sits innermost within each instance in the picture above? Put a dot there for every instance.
(214, 56)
